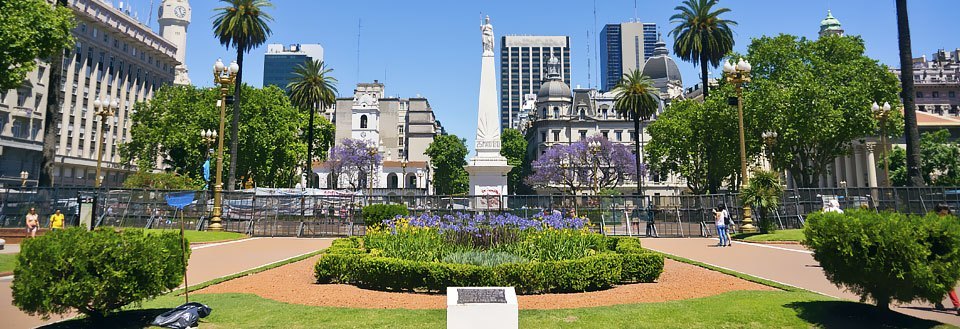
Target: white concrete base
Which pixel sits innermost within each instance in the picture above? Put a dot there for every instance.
(482, 315)
(488, 181)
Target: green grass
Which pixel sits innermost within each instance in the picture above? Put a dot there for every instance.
(7, 262)
(739, 309)
(205, 236)
(780, 235)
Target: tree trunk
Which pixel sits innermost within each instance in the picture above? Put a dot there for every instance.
(910, 133)
(636, 148)
(52, 116)
(703, 77)
(235, 124)
(309, 169)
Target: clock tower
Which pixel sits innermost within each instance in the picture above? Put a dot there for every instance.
(174, 19)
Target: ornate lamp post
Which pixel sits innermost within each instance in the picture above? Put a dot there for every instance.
(372, 151)
(403, 164)
(882, 114)
(23, 178)
(769, 140)
(104, 110)
(738, 75)
(595, 148)
(224, 76)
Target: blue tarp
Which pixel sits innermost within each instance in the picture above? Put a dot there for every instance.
(179, 200)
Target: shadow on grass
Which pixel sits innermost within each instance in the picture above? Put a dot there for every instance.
(122, 319)
(845, 314)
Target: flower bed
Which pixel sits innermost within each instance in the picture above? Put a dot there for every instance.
(539, 255)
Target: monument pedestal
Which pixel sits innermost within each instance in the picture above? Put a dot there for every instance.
(482, 307)
(488, 181)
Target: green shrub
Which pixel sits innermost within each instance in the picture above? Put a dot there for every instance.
(887, 256)
(550, 244)
(374, 214)
(627, 245)
(483, 258)
(641, 267)
(162, 181)
(94, 273)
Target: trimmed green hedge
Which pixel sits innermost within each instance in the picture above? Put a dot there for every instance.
(346, 261)
(374, 214)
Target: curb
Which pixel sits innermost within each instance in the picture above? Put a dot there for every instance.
(218, 241)
(770, 242)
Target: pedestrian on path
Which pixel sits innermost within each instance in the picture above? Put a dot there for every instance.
(721, 226)
(56, 220)
(943, 210)
(33, 222)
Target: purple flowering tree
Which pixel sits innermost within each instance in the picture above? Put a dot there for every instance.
(354, 158)
(575, 167)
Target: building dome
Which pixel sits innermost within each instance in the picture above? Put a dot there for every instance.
(830, 25)
(554, 86)
(660, 67)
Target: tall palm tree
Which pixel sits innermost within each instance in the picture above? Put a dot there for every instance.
(241, 24)
(312, 88)
(637, 98)
(911, 133)
(701, 36)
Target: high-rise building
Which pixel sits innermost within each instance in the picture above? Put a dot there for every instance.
(624, 47)
(523, 66)
(279, 62)
(115, 57)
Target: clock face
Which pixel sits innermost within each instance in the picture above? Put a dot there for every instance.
(180, 11)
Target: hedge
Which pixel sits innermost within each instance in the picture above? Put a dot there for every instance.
(374, 214)
(347, 262)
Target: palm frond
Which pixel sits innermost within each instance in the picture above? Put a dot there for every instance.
(242, 24)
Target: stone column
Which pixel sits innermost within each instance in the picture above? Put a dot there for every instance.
(831, 175)
(838, 171)
(859, 165)
(871, 165)
(851, 173)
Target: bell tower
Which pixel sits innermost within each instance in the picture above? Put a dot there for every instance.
(174, 17)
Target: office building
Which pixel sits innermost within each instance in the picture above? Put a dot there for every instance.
(115, 57)
(279, 62)
(624, 47)
(523, 61)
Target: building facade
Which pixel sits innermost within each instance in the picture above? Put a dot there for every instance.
(400, 128)
(115, 57)
(279, 62)
(523, 65)
(937, 82)
(624, 47)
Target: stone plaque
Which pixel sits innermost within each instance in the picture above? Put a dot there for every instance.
(481, 296)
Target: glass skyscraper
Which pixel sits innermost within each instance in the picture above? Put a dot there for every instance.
(279, 62)
(523, 66)
(624, 47)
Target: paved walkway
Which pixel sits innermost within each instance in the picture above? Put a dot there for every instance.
(207, 262)
(785, 264)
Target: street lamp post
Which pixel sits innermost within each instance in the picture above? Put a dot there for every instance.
(403, 164)
(595, 149)
(372, 151)
(738, 75)
(23, 178)
(769, 140)
(224, 76)
(882, 113)
(104, 110)
(208, 137)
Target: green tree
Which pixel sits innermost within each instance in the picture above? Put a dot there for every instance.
(763, 193)
(701, 36)
(637, 98)
(31, 29)
(169, 125)
(911, 132)
(816, 95)
(698, 141)
(448, 157)
(514, 147)
(241, 24)
(312, 88)
(939, 161)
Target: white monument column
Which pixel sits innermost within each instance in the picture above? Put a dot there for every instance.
(488, 169)
(871, 165)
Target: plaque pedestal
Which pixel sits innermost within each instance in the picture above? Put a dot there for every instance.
(482, 307)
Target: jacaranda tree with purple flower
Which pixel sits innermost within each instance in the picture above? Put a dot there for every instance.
(575, 167)
(354, 159)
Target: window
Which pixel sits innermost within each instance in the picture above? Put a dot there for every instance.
(952, 94)
(556, 135)
(619, 135)
(411, 181)
(583, 114)
(543, 113)
(604, 133)
(919, 94)
(543, 136)
(363, 121)
(583, 134)
(556, 112)
(633, 136)
(22, 94)
(400, 129)
(603, 113)
(935, 94)
(401, 142)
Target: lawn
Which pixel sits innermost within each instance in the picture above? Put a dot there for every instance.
(7, 262)
(739, 309)
(780, 235)
(205, 236)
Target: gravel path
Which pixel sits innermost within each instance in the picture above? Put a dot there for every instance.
(294, 283)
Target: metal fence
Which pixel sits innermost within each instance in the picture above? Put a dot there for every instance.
(301, 215)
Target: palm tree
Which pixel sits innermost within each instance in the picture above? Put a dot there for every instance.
(241, 24)
(312, 88)
(763, 193)
(701, 36)
(637, 98)
(910, 132)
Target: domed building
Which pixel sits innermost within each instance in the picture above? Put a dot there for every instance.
(830, 26)
(664, 72)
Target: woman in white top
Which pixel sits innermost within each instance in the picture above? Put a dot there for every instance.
(720, 220)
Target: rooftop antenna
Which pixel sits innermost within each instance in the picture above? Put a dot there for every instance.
(150, 15)
(636, 18)
(589, 65)
(596, 44)
(358, 48)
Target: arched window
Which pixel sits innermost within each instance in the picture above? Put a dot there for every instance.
(603, 112)
(411, 181)
(392, 181)
(556, 112)
(543, 112)
(363, 121)
(583, 114)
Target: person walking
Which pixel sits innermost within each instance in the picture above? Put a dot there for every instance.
(33, 222)
(943, 210)
(56, 220)
(721, 227)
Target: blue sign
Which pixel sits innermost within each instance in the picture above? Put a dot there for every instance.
(179, 200)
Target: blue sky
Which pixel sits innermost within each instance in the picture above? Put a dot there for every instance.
(432, 48)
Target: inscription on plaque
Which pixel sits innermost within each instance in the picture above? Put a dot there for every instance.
(481, 296)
